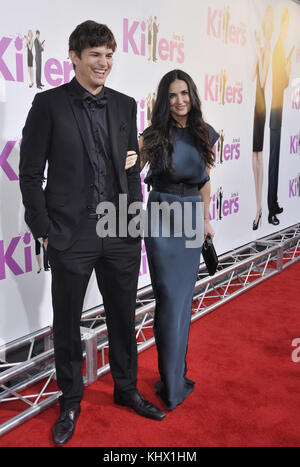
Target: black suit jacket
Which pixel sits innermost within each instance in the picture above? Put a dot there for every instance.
(55, 132)
(38, 50)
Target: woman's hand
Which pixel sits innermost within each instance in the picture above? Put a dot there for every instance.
(208, 230)
(131, 159)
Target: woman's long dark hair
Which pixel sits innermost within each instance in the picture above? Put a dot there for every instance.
(157, 139)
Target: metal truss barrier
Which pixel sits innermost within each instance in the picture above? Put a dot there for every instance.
(29, 361)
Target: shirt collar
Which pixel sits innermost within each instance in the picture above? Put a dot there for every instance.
(80, 90)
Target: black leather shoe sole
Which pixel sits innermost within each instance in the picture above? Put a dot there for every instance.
(273, 220)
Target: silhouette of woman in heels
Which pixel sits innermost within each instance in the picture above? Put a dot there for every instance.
(29, 45)
(262, 64)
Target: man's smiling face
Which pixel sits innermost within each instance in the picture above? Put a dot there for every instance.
(92, 67)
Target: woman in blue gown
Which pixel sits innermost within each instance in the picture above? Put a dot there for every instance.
(178, 146)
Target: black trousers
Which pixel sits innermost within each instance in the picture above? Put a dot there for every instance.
(273, 170)
(116, 262)
(38, 71)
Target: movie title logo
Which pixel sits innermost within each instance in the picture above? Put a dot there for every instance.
(294, 187)
(226, 151)
(17, 246)
(7, 152)
(220, 27)
(13, 66)
(295, 94)
(144, 262)
(144, 110)
(217, 89)
(144, 186)
(295, 144)
(222, 206)
(144, 38)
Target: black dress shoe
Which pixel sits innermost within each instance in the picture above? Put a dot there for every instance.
(256, 224)
(273, 219)
(140, 405)
(278, 210)
(65, 425)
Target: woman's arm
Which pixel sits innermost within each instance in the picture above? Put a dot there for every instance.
(205, 194)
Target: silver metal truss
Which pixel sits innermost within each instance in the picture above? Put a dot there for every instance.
(239, 270)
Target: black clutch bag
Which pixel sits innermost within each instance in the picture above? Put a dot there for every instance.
(210, 256)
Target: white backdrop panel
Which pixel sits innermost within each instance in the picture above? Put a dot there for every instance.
(214, 42)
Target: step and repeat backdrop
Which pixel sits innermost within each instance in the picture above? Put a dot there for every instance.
(244, 56)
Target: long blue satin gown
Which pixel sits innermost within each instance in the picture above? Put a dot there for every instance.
(173, 269)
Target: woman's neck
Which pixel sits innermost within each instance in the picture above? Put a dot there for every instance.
(180, 123)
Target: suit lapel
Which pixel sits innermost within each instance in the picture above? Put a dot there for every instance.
(76, 105)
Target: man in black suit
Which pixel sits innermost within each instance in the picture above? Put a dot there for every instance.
(39, 48)
(155, 33)
(85, 130)
(281, 69)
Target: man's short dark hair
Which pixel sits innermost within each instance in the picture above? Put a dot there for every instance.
(91, 34)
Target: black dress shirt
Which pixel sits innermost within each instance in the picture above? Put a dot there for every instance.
(95, 116)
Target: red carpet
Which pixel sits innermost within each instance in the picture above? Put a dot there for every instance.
(247, 386)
